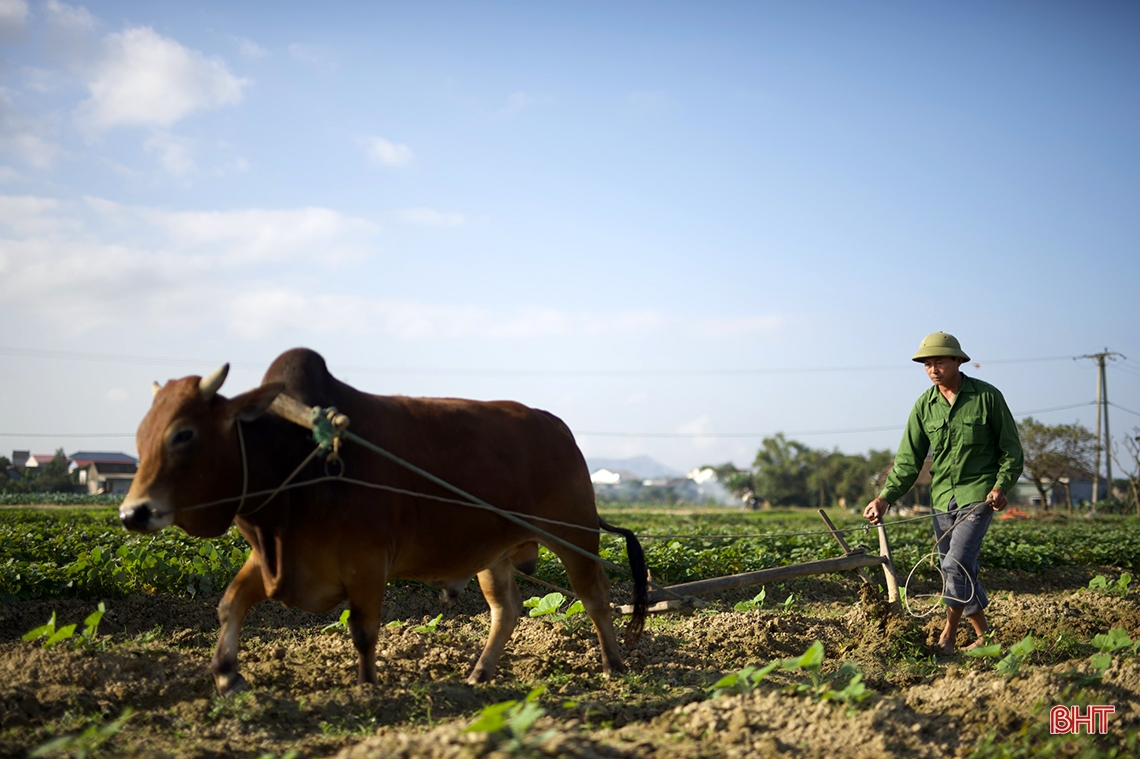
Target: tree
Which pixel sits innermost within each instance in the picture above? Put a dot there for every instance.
(782, 470)
(1054, 454)
(1132, 468)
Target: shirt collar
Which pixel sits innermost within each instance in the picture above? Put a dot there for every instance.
(967, 388)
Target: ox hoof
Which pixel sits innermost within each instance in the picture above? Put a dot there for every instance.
(230, 684)
(479, 675)
(615, 669)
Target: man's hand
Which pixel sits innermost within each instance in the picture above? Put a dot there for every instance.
(875, 510)
(996, 499)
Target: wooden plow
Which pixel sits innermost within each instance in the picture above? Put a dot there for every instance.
(857, 559)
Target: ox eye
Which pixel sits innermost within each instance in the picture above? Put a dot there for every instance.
(183, 437)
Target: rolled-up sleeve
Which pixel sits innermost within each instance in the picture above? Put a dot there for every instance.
(1011, 460)
(908, 460)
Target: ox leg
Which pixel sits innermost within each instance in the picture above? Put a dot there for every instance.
(245, 590)
(364, 627)
(498, 585)
(590, 584)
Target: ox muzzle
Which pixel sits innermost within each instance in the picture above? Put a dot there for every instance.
(143, 516)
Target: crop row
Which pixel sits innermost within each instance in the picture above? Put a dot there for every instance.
(85, 553)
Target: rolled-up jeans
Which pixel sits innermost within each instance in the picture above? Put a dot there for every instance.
(959, 551)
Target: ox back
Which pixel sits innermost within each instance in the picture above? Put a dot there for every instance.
(315, 546)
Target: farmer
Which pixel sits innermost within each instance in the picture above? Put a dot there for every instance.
(966, 426)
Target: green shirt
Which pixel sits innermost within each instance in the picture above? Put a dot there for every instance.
(973, 444)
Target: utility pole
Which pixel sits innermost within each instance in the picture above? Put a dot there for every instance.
(1102, 409)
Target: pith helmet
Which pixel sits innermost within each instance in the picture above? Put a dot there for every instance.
(939, 344)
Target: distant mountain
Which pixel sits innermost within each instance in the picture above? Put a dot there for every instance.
(642, 466)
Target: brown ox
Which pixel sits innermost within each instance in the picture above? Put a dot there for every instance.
(314, 546)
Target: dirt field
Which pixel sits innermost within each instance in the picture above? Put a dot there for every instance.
(304, 698)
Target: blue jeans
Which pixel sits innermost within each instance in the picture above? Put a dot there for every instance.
(959, 553)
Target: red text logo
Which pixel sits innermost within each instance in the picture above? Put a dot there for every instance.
(1068, 719)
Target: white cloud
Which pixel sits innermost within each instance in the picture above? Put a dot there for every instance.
(8, 174)
(72, 17)
(386, 153)
(43, 80)
(429, 217)
(257, 272)
(13, 17)
(251, 49)
(144, 79)
(116, 395)
(24, 137)
(173, 153)
(97, 262)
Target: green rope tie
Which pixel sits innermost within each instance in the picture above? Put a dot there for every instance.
(323, 430)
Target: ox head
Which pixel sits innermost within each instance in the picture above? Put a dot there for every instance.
(190, 455)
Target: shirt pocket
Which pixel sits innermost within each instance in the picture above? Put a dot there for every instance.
(974, 431)
(936, 432)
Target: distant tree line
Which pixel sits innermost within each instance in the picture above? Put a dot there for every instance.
(52, 477)
(790, 473)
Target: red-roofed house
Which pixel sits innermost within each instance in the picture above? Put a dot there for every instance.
(103, 472)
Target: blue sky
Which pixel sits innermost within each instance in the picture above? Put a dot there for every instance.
(650, 218)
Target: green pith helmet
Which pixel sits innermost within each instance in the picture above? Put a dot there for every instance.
(939, 344)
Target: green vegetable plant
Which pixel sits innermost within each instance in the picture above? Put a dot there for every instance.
(509, 722)
(743, 681)
(429, 627)
(1108, 644)
(1010, 664)
(82, 745)
(820, 687)
(755, 603)
(340, 624)
(52, 635)
(548, 606)
(1120, 587)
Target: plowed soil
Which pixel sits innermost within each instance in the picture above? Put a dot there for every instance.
(152, 654)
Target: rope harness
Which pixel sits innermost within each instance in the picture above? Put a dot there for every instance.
(329, 430)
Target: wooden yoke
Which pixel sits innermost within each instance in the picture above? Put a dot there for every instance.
(289, 408)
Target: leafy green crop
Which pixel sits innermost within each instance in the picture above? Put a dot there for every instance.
(85, 553)
(50, 635)
(510, 721)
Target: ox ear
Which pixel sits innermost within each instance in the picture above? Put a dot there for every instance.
(250, 405)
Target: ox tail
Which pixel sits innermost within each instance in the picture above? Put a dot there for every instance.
(640, 574)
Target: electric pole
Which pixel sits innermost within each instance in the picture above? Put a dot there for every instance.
(1102, 410)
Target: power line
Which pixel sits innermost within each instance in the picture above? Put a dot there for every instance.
(851, 430)
(1117, 405)
(475, 372)
(594, 433)
(67, 434)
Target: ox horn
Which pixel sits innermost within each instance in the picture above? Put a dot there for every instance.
(209, 384)
(155, 387)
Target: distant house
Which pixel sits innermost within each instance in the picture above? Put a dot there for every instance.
(104, 472)
(606, 477)
(19, 459)
(1079, 489)
(34, 460)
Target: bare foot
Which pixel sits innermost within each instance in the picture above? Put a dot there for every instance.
(946, 643)
(981, 641)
